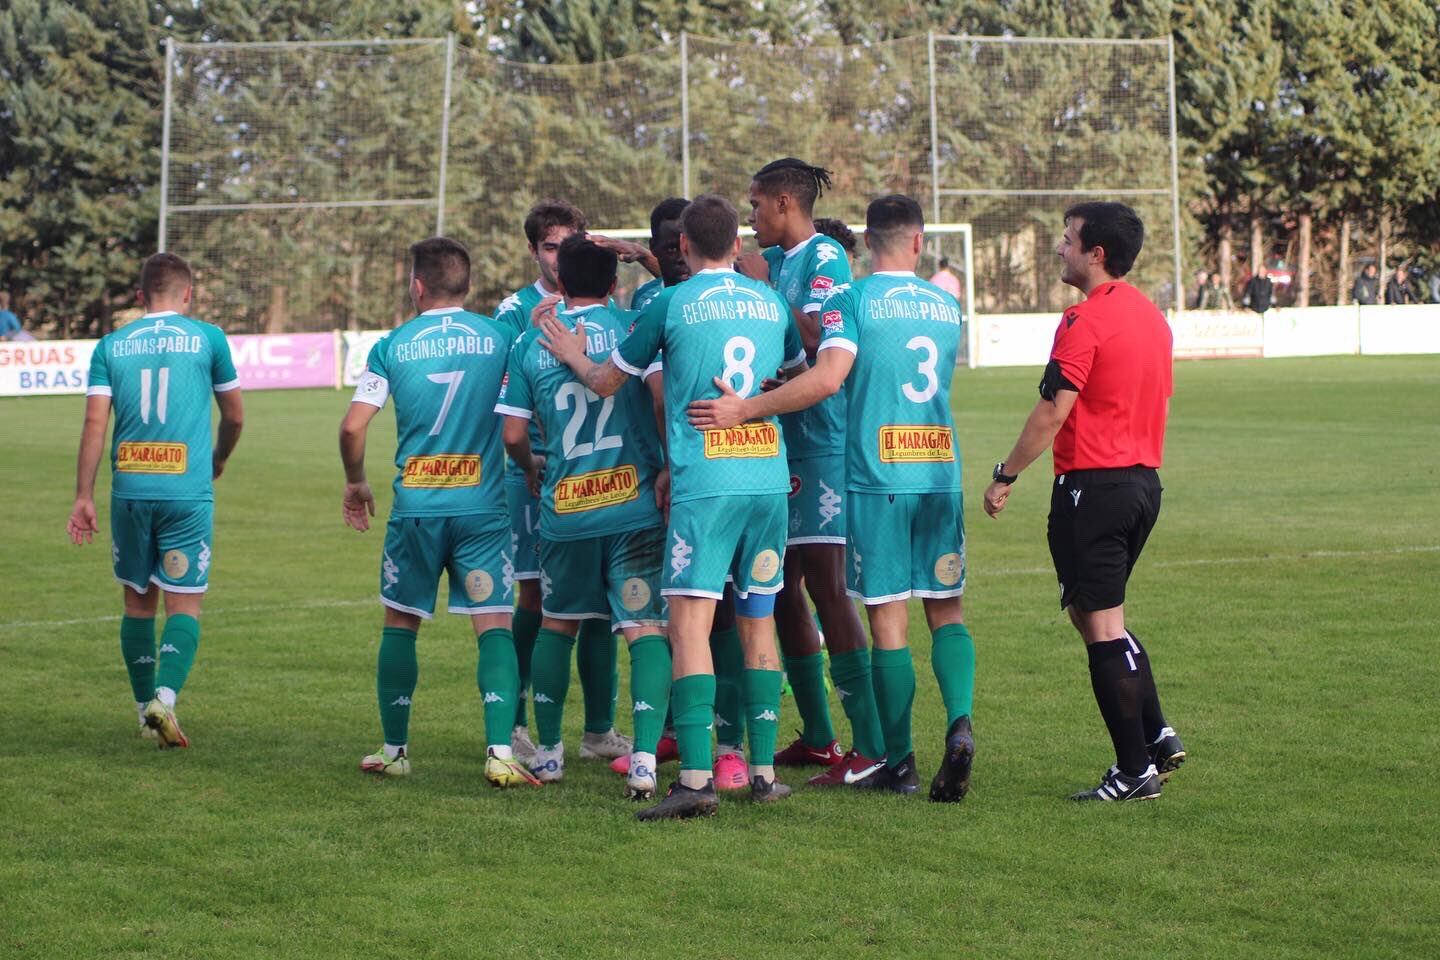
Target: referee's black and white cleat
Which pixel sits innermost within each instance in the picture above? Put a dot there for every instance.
(952, 780)
(1167, 753)
(1116, 787)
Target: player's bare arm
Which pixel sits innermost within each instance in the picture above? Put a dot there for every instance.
(516, 437)
(655, 382)
(357, 503)
(82, 525)
(568, 346)
(754, 266)
(1035, 438)
(808, 324)
(629, 252)
(227, 435)
(809, 388)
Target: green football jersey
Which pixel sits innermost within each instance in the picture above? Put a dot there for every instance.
(514, 312)
(443, 368)
(159, 373)
(805, 276)
(601, 454)
(716, 324)
(647, 291)
(904, 334)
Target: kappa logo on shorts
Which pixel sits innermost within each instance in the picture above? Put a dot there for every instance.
(176, 564)
(479, 585)
(765, 567)
(1075, 495)
(855, 560)
(545, 585)
(829, 504)
(680, 556)
(634, 594)
(203, 560)
(389, 571)
(507, 572)
(947, 569)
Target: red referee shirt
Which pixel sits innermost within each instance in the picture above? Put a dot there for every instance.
(1115, 348)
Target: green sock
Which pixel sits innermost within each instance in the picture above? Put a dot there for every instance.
(178, 643)
(851, 673)
(807, 681)
(524, 624)
(650, 689)
(729, 681)
(952, 656)
(893, 674)
(497, 674)
(550, 683)
(396, 670)
(762, 714)
(137, 646)
(693, 698)
(599, 666)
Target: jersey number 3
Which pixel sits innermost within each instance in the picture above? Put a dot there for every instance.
(931, 355)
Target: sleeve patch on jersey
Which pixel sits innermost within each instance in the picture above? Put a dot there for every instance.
(821, 283)
(372, 389)
(916, 444)
(833, 321)
(441, 470)
(1070, 317)
(139, 456)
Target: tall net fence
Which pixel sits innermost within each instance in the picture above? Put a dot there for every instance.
(298, 174)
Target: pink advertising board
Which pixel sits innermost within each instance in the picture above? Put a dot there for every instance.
(276, 361)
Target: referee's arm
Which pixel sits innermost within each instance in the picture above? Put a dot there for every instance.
(1035, 437)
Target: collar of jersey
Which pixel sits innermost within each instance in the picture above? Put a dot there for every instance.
(1102, 288)
(540, 289)
(801, 245)
(439, 310)
(161, 313)
(580, 311)
(893, 273)
(716, 270)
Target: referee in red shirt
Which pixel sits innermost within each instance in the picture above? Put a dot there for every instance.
(1103, 403)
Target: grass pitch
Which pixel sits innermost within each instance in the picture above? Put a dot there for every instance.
(1288, 597)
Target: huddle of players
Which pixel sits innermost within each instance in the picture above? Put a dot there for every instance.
(667, 490)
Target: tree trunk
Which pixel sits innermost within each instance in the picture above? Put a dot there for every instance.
(1257, 244)
(1302, 292)
(1384, 242)
(1041, 268)
(1225, 253)
(277, 320)
(1343, 282)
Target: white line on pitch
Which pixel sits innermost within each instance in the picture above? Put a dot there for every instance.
(1001, 572)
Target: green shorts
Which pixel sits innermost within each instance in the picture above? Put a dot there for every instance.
(473, 550)
(817, 500)
(164, 542)
(905, 544)
(734, 539)
(615, 578)
(524, 530)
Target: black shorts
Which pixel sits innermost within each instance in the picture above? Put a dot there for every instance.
(1099, 522)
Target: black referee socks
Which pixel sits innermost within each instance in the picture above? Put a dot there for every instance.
(1119, 680)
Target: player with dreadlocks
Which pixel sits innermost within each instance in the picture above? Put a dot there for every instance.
(805, 267)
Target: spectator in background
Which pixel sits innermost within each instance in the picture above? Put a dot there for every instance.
(9, 323)
(1202, 280)
(1367, 285)
(1259, 292)
(1398, 288)
(946, 280)
(1435, 283)
(1214, 295)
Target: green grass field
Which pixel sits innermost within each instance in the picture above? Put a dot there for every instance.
(1288, 597)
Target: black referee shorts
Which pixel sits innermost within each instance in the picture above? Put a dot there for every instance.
(1099, 522)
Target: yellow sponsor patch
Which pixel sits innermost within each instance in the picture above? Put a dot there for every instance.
(765, 567)
(176, 564)
(899, 444)
(441, 470)
(479, 585)
(948, 569)
(634, 594)
(596, 489)
(749, 440)
(140, 456)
